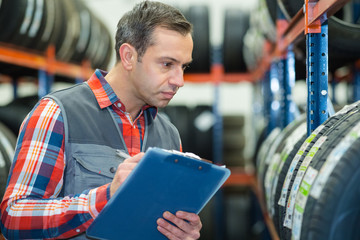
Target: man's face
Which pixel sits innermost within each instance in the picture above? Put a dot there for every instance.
(159, 74)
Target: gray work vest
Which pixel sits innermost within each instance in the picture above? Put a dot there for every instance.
(92, 137)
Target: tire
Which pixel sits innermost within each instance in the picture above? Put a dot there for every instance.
(68, 25)
(82, 42)
(272, 5)
(343, 36)
(235, 27)
(105, 47)
(259, 143)
(291, 134)
(320, 220)
(272, 145)
(3, 175)
(253, 47)
(72, 20)
(267, 149)
(14, 10)
(109, 46)
(7, 144)
(341, 218)
(301, 161)
(13, 114)
(60, 28)
(201, 129)
(266, 19)
(28, 37)
(47, 29)
(199, 17)
(295, 140)
(7, 151)
(179, 116)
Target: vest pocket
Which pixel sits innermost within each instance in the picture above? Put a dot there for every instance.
(92, 171)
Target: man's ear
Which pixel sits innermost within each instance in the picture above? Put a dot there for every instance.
(128, 55)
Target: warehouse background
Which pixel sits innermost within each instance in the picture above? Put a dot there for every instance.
(208, 114)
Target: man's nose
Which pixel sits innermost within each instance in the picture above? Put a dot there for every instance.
(178, 78)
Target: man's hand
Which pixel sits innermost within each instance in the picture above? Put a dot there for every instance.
(123, 170)
(187, 225)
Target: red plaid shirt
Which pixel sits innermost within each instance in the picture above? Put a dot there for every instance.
(31, 207)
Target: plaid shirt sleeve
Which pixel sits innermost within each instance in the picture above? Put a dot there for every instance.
(31, 208)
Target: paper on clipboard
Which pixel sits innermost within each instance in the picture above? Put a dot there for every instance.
(162, 181)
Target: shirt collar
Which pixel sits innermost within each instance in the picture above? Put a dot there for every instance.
(104, 93)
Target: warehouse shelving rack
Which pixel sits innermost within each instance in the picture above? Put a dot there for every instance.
(309, 22)
(45, 63)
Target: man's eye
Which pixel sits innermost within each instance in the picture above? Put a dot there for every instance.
(167, 64)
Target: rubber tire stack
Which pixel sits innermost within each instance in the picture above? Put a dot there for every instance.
(7, 151)
(66, 24)
(198, 16)
(310, 184)
(235, 26)
(344, 36)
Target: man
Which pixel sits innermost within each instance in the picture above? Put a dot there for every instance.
(66, 168)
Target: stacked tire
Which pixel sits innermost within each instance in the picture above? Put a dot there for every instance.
(66, 24)
(344, 33)
(310, 184)
(195, 126)
(198, 16)
(261, 29)
(7, 148)
(236, 25)
(13, 114)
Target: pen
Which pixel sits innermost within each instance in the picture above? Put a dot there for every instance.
(122, 154)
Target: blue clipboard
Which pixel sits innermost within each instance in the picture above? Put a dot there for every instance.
(162, 181)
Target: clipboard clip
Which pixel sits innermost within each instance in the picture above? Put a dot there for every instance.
(188, 154)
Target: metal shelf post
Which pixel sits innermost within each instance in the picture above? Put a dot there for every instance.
(286, 71)
(286, 68)
(217, 152)
(281, 67)
(356, 84)
(45, 81)
(356, 10)
(15, 87)
(271, 97)
(317, 69)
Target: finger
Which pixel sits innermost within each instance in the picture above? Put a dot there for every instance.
(183, 228)
(127, 166)
(191, 224)
(192, 218)
(167, 234)
(177, 221)
(169, 230)
(135, 158)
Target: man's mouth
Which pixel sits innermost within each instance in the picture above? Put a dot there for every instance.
(168, 95)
